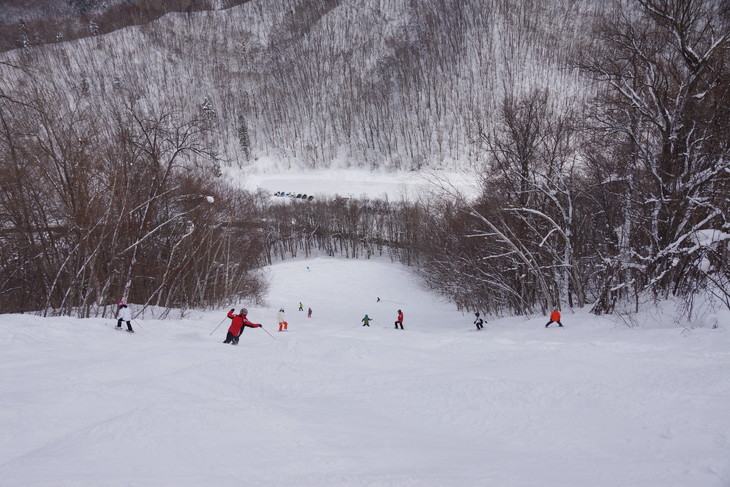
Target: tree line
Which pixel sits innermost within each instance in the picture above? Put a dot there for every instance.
(599, 199)
(603, 203)
(126, 207)
(39, 22)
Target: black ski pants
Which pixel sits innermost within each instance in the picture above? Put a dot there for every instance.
(398, 323)
(119, 324)
(551, 321)
(231, 338)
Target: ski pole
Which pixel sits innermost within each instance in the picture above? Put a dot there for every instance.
(272, 337)
(219, 324)
(137, 323)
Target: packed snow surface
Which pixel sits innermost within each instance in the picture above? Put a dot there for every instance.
(333, 403)
(355, 183)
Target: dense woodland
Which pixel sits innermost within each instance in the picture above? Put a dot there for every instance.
(27, 23)
(599, 131)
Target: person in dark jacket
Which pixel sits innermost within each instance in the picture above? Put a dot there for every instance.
(478, 321)
(238, 323)
(366, 321)
(399, 321)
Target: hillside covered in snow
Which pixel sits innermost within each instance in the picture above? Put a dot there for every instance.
(363, 83)
(579, 151)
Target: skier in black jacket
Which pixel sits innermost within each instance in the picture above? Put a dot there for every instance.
(478, 321)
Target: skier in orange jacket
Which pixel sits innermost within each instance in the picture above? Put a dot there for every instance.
(554, 318)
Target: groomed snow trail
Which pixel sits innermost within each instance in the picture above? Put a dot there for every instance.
(332, 403)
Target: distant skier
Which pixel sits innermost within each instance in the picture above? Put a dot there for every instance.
(309, 313)
(301, 306)
(238, 322)
(282, 321)
(478, 321)
(554, 318)
(378, 299)
(366, 321)
(399, 321)
(124, 315)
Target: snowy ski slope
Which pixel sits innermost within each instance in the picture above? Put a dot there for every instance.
(332, 403)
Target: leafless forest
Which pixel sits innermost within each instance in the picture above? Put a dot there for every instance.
(599, 131)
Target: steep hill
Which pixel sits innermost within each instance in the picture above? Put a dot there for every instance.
(392, 85)
(36, 22)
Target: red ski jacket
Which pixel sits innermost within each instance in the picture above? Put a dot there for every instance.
(400, 317)
(236, 323)
(248, 323)
(555, 316)
(239, 321)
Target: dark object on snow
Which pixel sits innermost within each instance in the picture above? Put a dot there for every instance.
(310, 197)
(478, 321)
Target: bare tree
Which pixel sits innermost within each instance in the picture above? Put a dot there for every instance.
(665, 76)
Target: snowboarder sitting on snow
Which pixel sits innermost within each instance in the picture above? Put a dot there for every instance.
(554, 318)
(399, 321)
(479, 322)
(125, 315)
(282, 321)
(366, 321)
(239, 321)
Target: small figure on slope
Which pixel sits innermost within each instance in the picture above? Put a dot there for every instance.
(238, 322)
(554, 318)
(124, 315)
(378, 299)
(282, 321)
(399, 320)
(478, 321)
(366, 321)
(309, 313)
(301, 306)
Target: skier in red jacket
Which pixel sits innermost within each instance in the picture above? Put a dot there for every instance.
(554, 318)
(239, 321)
(399, 321)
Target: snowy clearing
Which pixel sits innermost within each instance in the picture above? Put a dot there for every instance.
(352, 183)
(331, 402)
